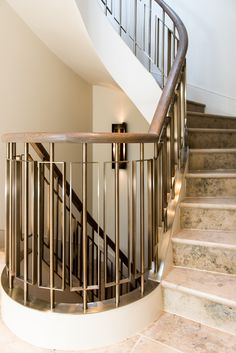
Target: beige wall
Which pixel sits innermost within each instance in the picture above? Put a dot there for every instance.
(113, 106)
(38, 92)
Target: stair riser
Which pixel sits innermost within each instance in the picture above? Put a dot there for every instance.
(191, 107)
(212, 161)
(210, 187)
(210, 122)
(208, 218)
(199, 309)
(207, 258)
(200, 139)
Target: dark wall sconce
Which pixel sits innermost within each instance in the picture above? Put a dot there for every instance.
(122, 147)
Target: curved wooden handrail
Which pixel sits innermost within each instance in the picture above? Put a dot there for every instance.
(159, 116)
(173, 77)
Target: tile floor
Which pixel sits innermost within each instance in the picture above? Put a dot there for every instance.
(170, 334)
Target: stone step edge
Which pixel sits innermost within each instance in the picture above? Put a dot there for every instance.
(206, 205)
(206, 243)
(196, 103)
(213, 175)
(207, 130)
(212, 150)
(198, 293)
(208, 115)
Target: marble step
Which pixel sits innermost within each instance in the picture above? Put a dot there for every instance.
(206, 297)
(216, 213)
(201, 120)
(211, 138)
(205, 250)
(212, 159)
(210, 184)
(195, 106)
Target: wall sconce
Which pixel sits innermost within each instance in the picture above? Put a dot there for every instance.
(122, 147)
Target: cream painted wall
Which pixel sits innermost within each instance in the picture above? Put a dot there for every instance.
(211, 27)
(37, 91)
(113, 106)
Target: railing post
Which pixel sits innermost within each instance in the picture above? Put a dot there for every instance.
(85, 260)
(142, 242)
(117, 223)
(26, 223)
(51, 226)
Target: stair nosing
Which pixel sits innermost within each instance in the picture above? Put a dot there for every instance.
(204, 204)
(207, 130)
(199, 293)
(212, 150)
(209, 115)
(177, 240)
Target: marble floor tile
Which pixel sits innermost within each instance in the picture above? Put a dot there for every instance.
(146, 345)
(189, 336)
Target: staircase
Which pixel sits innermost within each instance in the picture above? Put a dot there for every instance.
(202, 284)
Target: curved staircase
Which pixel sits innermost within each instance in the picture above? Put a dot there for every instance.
(202, 284)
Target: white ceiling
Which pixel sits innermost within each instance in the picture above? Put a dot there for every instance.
(59, 25)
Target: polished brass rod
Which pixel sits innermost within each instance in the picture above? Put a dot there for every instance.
(142, 207)
(7, 205)
(63, 224)
(51, 227)
(150, 212)
(85, 260)
(133, 219)
(26, 223)
(117, 224)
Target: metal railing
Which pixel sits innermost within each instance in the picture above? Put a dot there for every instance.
(53, 243)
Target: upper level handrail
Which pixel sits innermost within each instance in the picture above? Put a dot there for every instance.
(159, 116)
(173, 77)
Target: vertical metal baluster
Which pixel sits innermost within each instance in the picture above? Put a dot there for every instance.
(56, 258)
(63, 226)
(172, 151)
(155, 206)
(129, 220)
(52, 223)
(169, 51)
(7, 205)
(163, 49)
(18, 214)
(142, 244)
(150, 212)
(117, 224)
(34, 221)
(40, 219)
(160, 188)
(26, 223)
(133, 222)
(150, 36)
(104, 230)
(135, 25)
(71, 254)
(85, 166)
(12, 150)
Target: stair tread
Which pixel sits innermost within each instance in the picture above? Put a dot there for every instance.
(218, 287)
(211, 202)
(216, 238)
(207, 130)
(212, 174)
(212, 150)
(196, 103)
(208, 115)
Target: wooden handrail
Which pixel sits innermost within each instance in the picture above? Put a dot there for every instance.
(173, 77)
(159, 116)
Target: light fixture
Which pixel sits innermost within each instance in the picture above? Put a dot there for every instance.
(122, 148)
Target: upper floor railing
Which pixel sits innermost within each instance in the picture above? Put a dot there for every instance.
(102, 247)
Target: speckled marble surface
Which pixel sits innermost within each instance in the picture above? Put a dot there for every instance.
(210, 186)
(189, 336)
(200, 309)
(224, 160)
(211, 139)
(203, 257)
